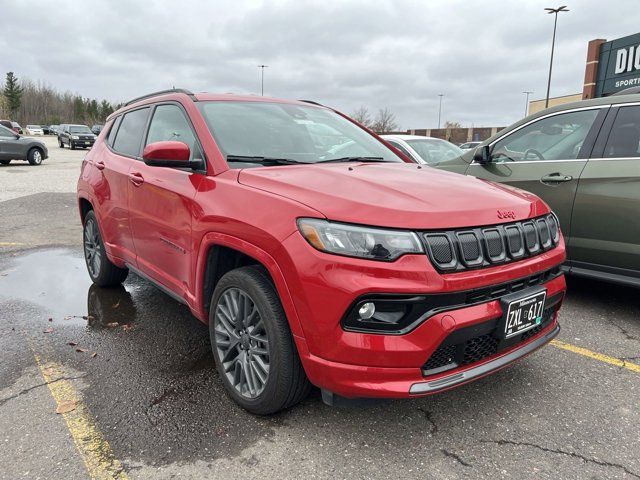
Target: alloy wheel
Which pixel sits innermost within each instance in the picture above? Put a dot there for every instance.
(241, 342)
(92, 247)
(37, 157)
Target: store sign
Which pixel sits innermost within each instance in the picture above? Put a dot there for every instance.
(627, 59)
(619, 65)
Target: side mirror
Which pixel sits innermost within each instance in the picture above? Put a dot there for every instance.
(168, 154)
(482, 155)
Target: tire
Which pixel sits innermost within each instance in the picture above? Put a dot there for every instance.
(35, 156)
(60, 144)
(5, 162)
(238, 348)
(102, 272)
(71, 147)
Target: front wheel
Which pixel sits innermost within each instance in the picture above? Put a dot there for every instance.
(102, 272)
(5, 162)
(252, 344)
(35, 156)
(60, 144)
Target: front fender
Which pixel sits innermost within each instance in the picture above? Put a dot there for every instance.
(221, 239)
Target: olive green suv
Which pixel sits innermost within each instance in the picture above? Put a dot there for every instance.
(583, 159)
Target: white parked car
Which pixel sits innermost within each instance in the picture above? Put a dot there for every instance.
(426, 150)
(34, 130)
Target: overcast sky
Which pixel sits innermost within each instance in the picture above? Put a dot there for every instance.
(399, 54)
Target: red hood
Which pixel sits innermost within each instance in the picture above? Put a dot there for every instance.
(395, 195)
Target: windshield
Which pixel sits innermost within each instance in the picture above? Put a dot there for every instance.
(79, 129)
(300, 134)
(33, 126)
(435, 151)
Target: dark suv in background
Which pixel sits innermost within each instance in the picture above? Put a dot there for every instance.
(75, 136)
(583, 159)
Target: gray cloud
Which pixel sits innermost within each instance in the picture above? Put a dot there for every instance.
(399, 54)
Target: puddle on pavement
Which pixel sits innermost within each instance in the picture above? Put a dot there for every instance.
(58, 282)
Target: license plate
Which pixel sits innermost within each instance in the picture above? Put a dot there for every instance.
(524, 314)
(87, 143)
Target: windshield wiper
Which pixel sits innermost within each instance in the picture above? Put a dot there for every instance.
(263, 160)
(354, 159)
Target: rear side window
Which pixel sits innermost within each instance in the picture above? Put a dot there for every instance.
(112, 132)
(624, 139)
(129, 135)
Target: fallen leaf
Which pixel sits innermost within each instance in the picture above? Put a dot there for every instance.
(128, 326)
(73, 344)
(112, 325)
(50, 319)
(48, 330)
(94, 354)
(81, 350)
(66, 406)
(68, 317)
(88, 317)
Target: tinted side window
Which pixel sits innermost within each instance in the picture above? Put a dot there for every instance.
(170, 124)
(559, 137)
(114, 128)
(5, 132)
(624, 139)
(129, 135)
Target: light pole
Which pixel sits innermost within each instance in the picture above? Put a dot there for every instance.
(555, 11)
(526, 103)
(440, 109)
(262, 67)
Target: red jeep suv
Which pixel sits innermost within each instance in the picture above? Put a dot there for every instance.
(315, 251)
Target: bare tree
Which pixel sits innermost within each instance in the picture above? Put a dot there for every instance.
(449, 124)
(362, 116)
(41, 104)
(385, 121)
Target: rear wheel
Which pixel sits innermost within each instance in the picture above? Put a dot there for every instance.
(35, 156)
(60, 144)
(102, 272)
(5, 162)
(254, 350)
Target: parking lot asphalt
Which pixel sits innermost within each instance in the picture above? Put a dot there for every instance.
(133, 373)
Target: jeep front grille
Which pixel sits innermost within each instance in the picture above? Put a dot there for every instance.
(455, 250)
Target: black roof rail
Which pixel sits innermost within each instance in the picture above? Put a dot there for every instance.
(162, 92)
(312, 102)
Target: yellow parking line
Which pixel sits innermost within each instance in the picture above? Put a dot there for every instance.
(597, 356)
(11, 244)
(89, 440)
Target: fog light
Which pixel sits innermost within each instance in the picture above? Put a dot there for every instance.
(367, 310)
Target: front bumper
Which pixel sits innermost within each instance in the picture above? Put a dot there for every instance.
(358, 364)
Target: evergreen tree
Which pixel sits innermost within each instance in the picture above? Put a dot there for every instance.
(12, 93)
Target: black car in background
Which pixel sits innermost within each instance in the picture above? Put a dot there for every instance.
(96, 129)
(75, 136)
(16, 147)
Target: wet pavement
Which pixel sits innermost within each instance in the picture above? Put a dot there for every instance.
(153, 392)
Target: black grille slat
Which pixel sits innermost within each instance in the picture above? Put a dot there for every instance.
(482, 247)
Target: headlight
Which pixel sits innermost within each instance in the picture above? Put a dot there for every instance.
(74, 137)
(355, 241)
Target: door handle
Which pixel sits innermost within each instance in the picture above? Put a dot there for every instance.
(136, 178)
(556, 178)
(99, 165)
